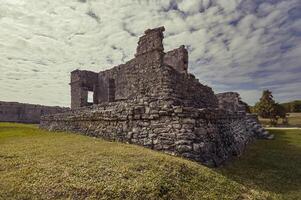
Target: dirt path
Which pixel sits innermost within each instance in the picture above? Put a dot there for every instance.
(282, 128)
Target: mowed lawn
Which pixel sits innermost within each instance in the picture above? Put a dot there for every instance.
(36, 164)
(294, 120)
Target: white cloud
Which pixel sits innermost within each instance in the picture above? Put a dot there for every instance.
(234, 45)
(191, 7)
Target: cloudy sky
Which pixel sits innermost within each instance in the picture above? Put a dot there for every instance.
(234, 45)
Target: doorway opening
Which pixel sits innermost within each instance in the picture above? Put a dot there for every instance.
(90, 97)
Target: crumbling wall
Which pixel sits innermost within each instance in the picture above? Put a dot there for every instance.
(152, 40)
(138, 78)
(81, 83)
(151, 74)
(231, 101)
(186, 90)
(177, 59)
(25, 113)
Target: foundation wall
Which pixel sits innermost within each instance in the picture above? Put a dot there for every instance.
(207, 136)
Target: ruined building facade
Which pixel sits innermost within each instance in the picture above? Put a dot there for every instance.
(153, 101)
(144, 77)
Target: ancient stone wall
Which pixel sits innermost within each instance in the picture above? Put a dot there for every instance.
(81, 83)
(152, 73)
(186, 90)
(25, 113)
(209, 136)
(177, 59)
(231, 101)
(151, 41)
(140, 77)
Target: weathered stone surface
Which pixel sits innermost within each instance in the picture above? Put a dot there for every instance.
(231, 101)
(153, 101)
(178, 59)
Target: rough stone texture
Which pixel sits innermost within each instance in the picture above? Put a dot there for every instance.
(25, 113)
(151, 74)
(254, 125)
(153, 101)
(209, 136)
(232, 102)
(151, 41)
(178, 59)
(81, 83)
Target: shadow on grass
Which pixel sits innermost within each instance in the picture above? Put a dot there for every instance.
(273, 165)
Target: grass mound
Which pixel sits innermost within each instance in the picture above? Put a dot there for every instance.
(36, 164)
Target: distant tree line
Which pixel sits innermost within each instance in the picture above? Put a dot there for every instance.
(291, 107)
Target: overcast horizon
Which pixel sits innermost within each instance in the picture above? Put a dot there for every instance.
(244, 46)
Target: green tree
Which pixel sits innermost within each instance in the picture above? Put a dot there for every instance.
(281, 113)
(293, 106)
(266, 107)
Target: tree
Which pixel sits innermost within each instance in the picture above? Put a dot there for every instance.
(293, 106)
(281, 113)
(266, 107)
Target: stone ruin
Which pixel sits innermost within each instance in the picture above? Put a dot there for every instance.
(26, 113)
(154, 102)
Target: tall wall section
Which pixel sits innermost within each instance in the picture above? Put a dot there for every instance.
(140, 77)
(81, 83)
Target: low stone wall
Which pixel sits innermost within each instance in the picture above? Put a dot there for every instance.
(209, 136)
(26, 113)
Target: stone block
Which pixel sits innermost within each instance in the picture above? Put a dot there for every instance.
(183, 148)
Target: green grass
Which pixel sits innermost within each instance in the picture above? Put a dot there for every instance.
(273, 166)
(36, 164)
(294, 120)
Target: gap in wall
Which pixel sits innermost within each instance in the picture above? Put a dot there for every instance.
(90, 97)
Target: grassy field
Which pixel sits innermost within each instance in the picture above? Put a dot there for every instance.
(36, 164)
(294, 120)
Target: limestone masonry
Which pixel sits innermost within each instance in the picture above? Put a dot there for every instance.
(25, 113)
(153, 101)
